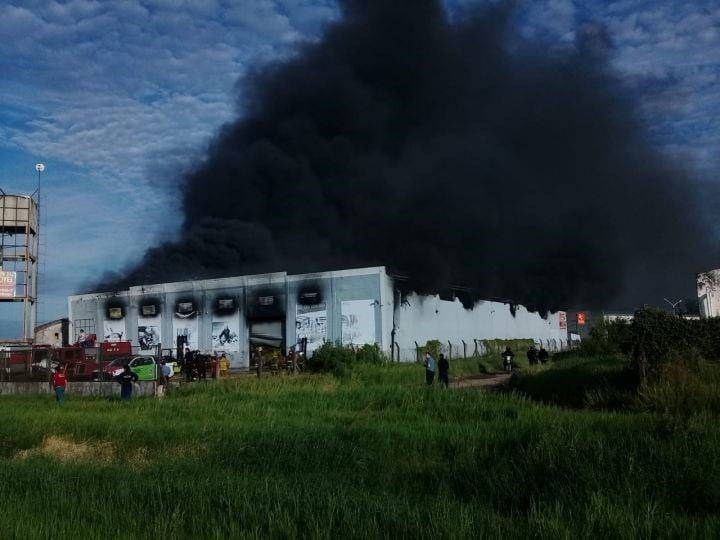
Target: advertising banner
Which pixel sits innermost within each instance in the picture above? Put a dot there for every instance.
(562, 316)
(226, 332)
(8, 280)
(113, 330)
(358, 322)
(149, 334)
(311, 323)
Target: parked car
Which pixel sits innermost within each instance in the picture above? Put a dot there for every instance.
(143, 366)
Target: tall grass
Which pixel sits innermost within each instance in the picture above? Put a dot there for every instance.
(374, 455)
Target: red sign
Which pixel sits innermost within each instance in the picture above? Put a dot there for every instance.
(562, 316)
(117, 347)
(581, 318)
(7, 284)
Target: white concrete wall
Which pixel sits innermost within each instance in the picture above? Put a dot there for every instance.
(424, 318)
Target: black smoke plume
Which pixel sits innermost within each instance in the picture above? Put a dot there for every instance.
(455, 153)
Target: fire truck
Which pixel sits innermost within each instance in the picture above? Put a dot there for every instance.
(79, 363)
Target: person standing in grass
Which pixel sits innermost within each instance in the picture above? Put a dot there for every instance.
(223, 364)
(188, 361)
(508, 359)
(161, 380)
(202, 364)
(543, 355)
(60, 384)
(167, 371)
(126, 379)
(532, 355)
(429, 369)
(443, 370)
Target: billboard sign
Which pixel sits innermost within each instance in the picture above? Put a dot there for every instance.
(581, 318)
(562, 320)
(8, 281)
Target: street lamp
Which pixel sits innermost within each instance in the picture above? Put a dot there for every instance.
(673, 305)
(39, 167)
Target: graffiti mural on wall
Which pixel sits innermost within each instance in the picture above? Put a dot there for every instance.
(311, 323)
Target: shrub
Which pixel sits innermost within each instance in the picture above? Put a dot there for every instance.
(370, 354)
(683, 384)
(339, 359)
(433, 347)
(659, 337)
(329, 356)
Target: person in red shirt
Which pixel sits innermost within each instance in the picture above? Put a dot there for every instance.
(60, 383)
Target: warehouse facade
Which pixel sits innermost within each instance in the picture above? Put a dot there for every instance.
(239, 315)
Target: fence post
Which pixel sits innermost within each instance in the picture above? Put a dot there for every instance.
(464, 349)
(417, 352)
(449, 350)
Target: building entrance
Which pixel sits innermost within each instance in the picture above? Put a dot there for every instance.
(267, 345)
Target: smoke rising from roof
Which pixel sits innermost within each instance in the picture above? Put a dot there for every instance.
(454, 152)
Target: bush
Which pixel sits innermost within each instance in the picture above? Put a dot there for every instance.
(338, 359)
(606, 339)
(682, 385)
(370, 354)
(433, 347)
(659, 337)
(329, 356)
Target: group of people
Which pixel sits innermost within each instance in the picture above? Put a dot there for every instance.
(443, 368)
(126, 379)
(195, 365)
(534, 357)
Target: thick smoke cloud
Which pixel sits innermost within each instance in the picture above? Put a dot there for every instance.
(454, 153)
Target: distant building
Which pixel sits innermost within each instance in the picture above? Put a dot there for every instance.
(45, 333)
(708, 292)
(245, 316)
(619, 317)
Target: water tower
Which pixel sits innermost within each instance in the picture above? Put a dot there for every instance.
(19, 246)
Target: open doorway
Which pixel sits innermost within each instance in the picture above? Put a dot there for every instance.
(267, 344)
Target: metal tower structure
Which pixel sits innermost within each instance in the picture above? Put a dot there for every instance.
(19, 245)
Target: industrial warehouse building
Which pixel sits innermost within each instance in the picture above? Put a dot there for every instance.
(238, 315)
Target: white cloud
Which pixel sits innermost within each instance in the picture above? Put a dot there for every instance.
(126, 95)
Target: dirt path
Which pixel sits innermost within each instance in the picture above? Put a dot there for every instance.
(481, 381)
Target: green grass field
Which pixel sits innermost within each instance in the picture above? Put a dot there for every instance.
(375, 454)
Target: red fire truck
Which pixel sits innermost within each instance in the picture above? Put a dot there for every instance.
(80, 363)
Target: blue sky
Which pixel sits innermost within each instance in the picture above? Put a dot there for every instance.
(117, 98)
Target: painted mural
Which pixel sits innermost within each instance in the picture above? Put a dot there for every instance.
(311, 323)
(149, 334)
(226, 332)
